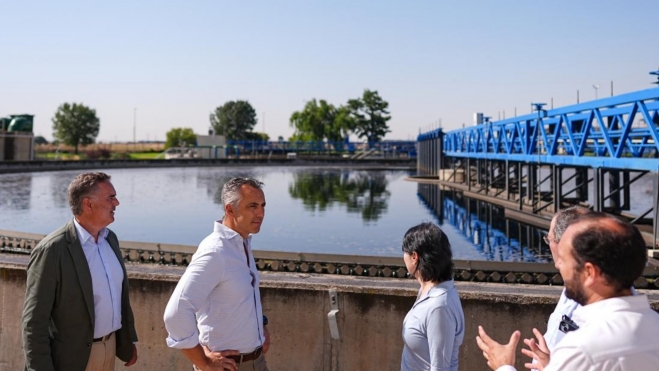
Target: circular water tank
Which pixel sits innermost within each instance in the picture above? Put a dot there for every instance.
(21, 123)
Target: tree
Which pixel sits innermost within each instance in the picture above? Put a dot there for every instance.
(371, 115)
(40, 140)
(180, 137)
(320, 120)
(255, 135)
(75, 125)
(234, 119)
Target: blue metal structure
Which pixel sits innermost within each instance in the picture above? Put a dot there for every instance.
(385, 148)
(617, 132)
(538, 163)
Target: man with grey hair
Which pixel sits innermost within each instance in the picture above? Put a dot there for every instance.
(560, 322)
(214, 315)
(77, 313)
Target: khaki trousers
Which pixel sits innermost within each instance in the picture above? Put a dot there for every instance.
(103, 355)
(255, 365)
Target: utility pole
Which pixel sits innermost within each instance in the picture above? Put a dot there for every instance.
(134, 128)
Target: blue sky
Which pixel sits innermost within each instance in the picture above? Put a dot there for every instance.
(176, 61)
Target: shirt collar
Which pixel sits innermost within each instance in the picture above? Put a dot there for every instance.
(437, 290)
(605, 307)
(84, 236)
(440, 288)
(229, 233)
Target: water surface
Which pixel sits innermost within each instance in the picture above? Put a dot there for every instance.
(321, 210)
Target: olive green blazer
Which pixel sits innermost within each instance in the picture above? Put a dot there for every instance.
(58, 315)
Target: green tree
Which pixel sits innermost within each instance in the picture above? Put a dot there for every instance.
(40, 140)
(255, 135)
(371, 115)
(75, 125)
(180, 137)
(234, 120)
(320, 120)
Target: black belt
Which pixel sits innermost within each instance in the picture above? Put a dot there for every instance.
(103, 338)
(246, 357)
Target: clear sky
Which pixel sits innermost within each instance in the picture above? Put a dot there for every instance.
(175, 61)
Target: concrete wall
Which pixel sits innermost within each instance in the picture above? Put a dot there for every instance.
(21, 144)
(370, 318)
(2, 145)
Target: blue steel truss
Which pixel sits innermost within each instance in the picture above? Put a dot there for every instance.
(617, 132)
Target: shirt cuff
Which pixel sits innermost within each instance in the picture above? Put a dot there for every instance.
(506, 368)
(187, 343)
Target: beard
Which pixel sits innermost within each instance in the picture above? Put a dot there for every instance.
(574, 291)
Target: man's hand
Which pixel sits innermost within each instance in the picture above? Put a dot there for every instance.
(134, 359)
(266, 343)
(538, 351)
(496, 354)
(218, 361)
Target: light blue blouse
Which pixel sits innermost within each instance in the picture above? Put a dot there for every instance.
(433, 330)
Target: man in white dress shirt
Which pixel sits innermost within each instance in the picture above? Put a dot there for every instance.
(599, 257)
(556, 326)
(214, 315)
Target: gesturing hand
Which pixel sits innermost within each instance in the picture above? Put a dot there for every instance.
(538, 351)
(497, 354)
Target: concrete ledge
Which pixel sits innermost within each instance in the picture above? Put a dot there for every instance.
(57, 165)
(371, 313)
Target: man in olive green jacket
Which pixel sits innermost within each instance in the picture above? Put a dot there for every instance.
(60, 309)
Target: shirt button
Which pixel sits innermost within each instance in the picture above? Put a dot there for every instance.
(89, 345)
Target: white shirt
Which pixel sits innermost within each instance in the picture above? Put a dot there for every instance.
(107, 279)
(217, 302)
(617, 334)
(433, 330)
(565, 307)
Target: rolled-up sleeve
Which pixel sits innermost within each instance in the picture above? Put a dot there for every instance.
(203, 274)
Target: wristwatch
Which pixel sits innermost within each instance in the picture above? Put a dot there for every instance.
(265, 320)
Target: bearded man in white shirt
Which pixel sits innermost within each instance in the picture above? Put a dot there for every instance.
(214, 315)
(599, 257)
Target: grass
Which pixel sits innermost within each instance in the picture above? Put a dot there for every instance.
(81, 156)
(144, 155)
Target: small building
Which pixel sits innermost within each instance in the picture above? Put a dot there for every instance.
(211, 146)
(207, 146)
(16, 138)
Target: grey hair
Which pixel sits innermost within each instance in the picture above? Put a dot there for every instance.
(231, 190)
(565, 217)
(82, 186)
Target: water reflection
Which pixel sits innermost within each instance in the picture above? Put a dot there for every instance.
(15, 192)
(362, 192)
(485, 226)
(59, 188)
(214, 181)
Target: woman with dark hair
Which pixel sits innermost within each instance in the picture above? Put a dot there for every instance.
(433, 329)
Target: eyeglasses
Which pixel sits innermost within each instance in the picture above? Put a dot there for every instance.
(546, 239)
(567, 324)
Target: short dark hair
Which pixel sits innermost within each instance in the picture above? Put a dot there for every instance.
(615, 246)
(82, 186)
(565, 217)
(433, 249)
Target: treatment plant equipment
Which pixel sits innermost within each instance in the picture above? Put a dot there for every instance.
(590, 153)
